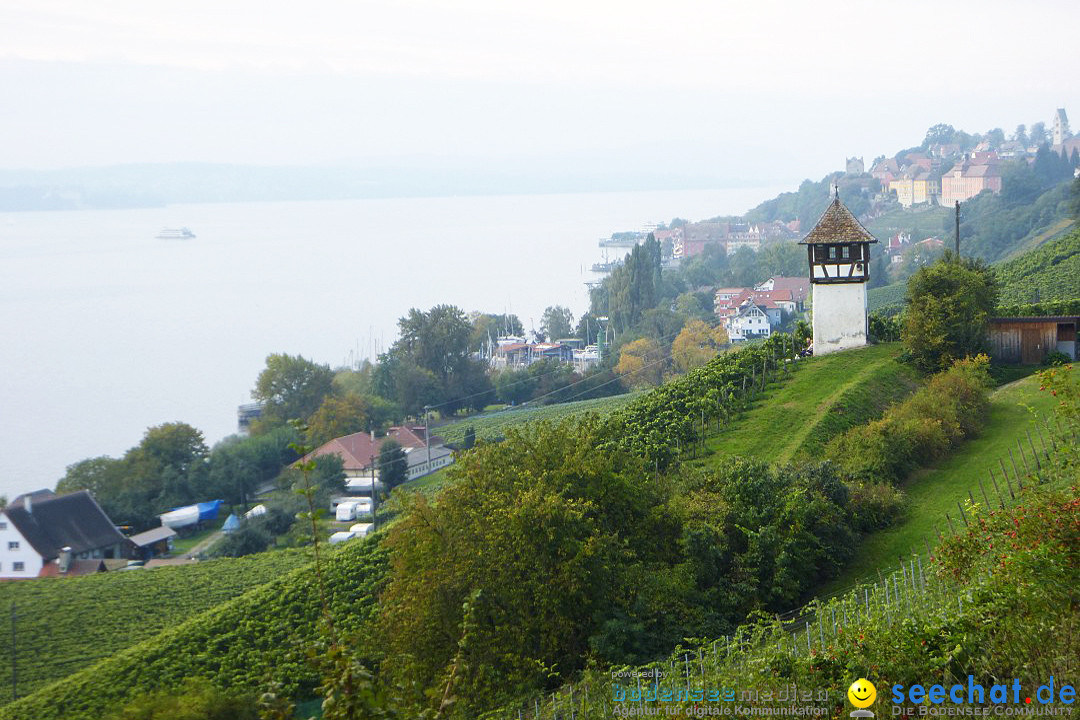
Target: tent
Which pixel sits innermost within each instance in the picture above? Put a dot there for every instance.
(231, 524)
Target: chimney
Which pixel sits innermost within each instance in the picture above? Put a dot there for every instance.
(65, 560)
(28, 504)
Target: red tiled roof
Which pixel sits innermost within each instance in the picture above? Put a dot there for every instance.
(838, 225)
(982, 171)
(75, 569)
(356, 450)
(799, 287)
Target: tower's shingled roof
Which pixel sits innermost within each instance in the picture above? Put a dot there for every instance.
(837, 225)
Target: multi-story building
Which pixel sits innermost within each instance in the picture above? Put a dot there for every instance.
(968, 179)
(917, 186)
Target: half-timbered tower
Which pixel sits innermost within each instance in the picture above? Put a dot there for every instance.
(838, 249)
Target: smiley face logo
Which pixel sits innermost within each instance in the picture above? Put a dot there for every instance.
(862, 693)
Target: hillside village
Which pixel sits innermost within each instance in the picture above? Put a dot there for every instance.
(950, 167)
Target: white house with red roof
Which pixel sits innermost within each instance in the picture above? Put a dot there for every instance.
(359, 450)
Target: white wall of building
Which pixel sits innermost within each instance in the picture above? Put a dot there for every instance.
(24, 553)
(839, 317)
(426, 467)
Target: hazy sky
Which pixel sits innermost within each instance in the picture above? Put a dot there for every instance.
(746, 91)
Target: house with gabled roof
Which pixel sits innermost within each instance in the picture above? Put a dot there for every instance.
(359, 449)
(749, 322)
(41, 528)
(787, 289)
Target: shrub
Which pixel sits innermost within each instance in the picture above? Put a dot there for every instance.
(1054, 358)
(196, 699)
(874, 506)
(950, 408)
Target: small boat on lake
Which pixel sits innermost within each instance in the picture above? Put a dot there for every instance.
(175, 234)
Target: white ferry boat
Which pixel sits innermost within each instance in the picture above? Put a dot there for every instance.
(175, 234)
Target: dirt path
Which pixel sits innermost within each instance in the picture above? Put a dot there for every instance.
(205, 544)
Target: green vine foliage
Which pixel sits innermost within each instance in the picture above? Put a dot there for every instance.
(241, 644)
(659, 425)
(63, 626)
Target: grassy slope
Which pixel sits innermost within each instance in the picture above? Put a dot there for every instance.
(921, 221)
(65, 624)
(823, 397)
(491, 426)
(933, 492)
(1036, 241)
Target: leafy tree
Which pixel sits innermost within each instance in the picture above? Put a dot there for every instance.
(689, 305)
(355, 382)
(411, 387)
(783, 258)
(557, 322)
(641, 363)
(1021, 135)
(393, 464)
(250, 538)
(436, 340)
(696, 345)
(171, 445)
(940, 134)
(996, 137)
(1018, 182)
(949, 305)
(470, 388)
(469, 441)
(522, 558)
(632, 288)
(486, 327)
(430, 364)
(1037, 134)
(1049, 167)
(514, 386)
(338, 416)
(290, 388)
(100, 475)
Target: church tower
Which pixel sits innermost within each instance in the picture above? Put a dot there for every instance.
(838, 249)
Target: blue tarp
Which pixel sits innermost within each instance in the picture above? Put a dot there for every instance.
(209, 510)
(231, 524)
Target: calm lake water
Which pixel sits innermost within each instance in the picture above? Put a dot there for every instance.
(107, 330)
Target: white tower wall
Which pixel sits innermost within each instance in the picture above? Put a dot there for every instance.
(839, 317)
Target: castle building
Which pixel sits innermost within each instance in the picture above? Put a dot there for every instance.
(838, 250)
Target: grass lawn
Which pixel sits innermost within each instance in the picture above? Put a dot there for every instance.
(823, 397)
(182, 546)
(921, 222)
(492, 426)
(935, 491)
